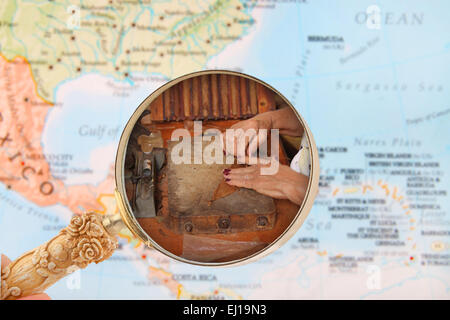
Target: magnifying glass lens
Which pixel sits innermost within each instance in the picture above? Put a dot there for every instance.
(216, 168)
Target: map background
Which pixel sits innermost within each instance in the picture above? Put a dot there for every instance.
(311, 75)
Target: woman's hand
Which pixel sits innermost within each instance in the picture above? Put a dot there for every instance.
(40, 296)
(284, 184)
(248, 131)
(283, 119)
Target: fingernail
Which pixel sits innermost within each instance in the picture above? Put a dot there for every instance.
(226, 170)
(224, 153)
(226, 180)
(226, 173)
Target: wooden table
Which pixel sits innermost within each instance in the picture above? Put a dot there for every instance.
(210, 247)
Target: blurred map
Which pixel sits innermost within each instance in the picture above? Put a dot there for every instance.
(371, 78)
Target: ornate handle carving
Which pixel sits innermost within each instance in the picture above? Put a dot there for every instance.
(83, 241)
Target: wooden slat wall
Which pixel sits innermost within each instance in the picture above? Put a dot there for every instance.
(212, 97)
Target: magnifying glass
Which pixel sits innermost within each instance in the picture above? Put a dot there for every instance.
(215, 168)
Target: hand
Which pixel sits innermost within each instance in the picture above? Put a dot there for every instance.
(250, 129)
(285, 184)
(283, 119)
(40, 296)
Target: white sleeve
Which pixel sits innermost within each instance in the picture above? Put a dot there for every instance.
(302, 162)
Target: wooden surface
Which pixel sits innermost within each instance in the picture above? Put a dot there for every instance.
(212, 97)
(191, 189)
(200, 249)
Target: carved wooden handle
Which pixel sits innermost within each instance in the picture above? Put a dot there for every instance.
(83, 241)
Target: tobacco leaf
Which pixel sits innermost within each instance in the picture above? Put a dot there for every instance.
(223, 190)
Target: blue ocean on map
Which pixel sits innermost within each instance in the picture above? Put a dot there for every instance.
(89, 122)
(376, 91)
(41, 223)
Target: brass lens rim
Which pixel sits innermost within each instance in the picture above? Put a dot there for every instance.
(134, 226)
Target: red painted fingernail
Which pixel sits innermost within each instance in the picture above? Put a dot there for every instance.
(224, 153)
(226, 173)
(226, 170)
(227, 179)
